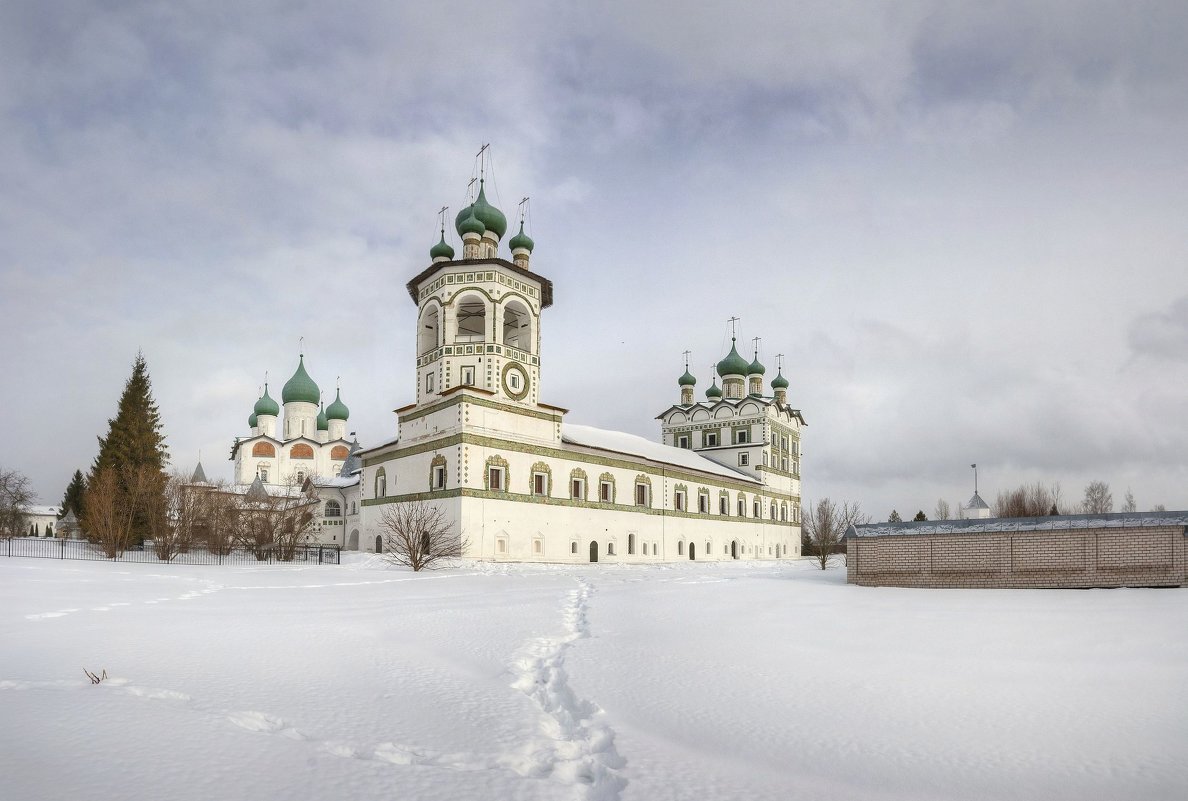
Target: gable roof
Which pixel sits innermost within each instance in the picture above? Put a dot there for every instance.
(632, 445)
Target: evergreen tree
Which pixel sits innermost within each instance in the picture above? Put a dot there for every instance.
(73, 498)
(920, 516)
(894, 518)
(134, 444)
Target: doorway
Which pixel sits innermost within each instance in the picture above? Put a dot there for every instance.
(692, 550)
(734, 549)
(593, 550)
(379, 544)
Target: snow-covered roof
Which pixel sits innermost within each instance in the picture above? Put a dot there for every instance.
(630, 444)
(337, 481)
(998, 524)
(44, 511)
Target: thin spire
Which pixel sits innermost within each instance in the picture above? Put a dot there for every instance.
(301, 347)
(442, 215)
(779, 363)
(686, 354)
(523, 209)
(481, 156)
(733, 330)
(755, 341)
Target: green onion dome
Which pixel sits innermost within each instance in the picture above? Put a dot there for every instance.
(779, 382)
(467, 223)
(756, 368)
(253, 421)
(442, 249)
(488, 215)
(714, 391)
(338, 410)
(300, 388)
(266, 405)
(687, 380)
(521, 240)
(733, 364)
(323, 423)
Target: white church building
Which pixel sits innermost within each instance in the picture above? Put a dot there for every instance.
(519, 483)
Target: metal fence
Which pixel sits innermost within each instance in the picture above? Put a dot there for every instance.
(46, 548)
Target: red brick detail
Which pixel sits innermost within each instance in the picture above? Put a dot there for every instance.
(263, 449)
(301, 451)
(339, 453)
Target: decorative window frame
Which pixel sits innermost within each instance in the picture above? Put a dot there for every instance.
(645, 481)
(379, 484)
(703, 500)
(499, 463)
(742, 504)
(541, 469)
(438, 461)
(578, 474)
(724, 502)
(604, 480)
(680, 498)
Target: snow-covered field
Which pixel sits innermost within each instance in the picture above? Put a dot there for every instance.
(695, 681)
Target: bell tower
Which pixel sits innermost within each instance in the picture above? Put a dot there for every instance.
(478, 317)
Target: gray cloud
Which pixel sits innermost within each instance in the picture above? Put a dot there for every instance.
(955, 221)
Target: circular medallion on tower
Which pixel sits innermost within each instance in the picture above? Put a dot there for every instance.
(515, 381)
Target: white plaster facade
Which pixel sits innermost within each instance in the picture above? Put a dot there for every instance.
(519, 484)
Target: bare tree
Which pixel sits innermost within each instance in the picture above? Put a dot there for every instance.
(826, 524)
(277, 522)
(1098, 498)
(176, 529)
(15, 497)
(112, 505)
(1028, 500)
(941, 512)
(1158, 508)
(1128, 504)
(418, 535)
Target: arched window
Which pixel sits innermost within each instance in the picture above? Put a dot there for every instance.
(610, 549)
(429, 331)
(333, 509)
(301, 451)
(630, 544)
(381, 483)
(471, 312)
(517, 326)
(379, 544)
(573, 547)
(263, 449)
(339, 453)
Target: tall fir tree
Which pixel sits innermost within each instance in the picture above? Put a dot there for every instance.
(72, 500)
(134, 441)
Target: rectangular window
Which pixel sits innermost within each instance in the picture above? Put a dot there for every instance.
(757, 509)
(741, 436)
(711, 439)
(744, 459)
(513, 381)
(784, 463)
(723, 506)
(605, 491)
(641, 494)
(468, 376)
(439, 476)
(742, 508)
(577, 489)
(683, 441)
(428, 382)
(679, 501)
(495, 479)
(540, 484)
(703, 503)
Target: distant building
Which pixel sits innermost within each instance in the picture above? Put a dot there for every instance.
(977, 509)
(1128, 549)
(41, 520)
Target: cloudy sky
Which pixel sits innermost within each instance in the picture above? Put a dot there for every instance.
(963, 223)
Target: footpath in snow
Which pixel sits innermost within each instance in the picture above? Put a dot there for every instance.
(749, 681)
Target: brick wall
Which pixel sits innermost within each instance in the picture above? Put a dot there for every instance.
(1067, 558)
